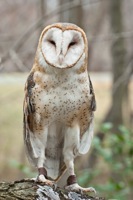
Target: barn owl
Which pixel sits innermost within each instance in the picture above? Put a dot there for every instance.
(59, 104)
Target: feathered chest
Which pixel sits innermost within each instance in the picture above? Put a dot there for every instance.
(65, 99)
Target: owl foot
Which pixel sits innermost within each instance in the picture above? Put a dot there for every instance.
(75, 187)
(72, 185)
(41, 178)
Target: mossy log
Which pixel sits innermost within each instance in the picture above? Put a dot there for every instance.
(31, 190)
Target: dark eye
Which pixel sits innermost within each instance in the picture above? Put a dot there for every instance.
(52, 42)
(71, 44)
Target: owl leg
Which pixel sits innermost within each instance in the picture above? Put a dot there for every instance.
(71, 145)
(39, 148)
(42, 176)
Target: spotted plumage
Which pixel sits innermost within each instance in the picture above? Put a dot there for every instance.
(59, 104)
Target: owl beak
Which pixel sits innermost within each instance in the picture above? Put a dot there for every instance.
(61, 59)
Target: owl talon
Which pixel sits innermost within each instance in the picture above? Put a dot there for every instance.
(54, 186)
(41, 178)
(77, 188)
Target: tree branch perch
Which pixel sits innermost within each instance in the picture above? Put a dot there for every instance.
(31, 190)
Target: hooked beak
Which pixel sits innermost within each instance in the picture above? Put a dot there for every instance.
(61, 59)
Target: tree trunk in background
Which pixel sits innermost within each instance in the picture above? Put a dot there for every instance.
(119, 90)
(119, 67)
(118, 51)
(74, 15)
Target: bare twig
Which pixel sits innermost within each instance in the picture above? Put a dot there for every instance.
(14, 56)
(62, 8)
(37, 24)
(125, 76)
(112, 37)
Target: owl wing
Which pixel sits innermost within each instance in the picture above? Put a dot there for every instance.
(93, 100)
(28, 119)
(86, 138)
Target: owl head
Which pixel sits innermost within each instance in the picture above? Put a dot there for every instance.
(62, 45)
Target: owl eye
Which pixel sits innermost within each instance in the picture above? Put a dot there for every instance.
(71, 44)
(52, 42)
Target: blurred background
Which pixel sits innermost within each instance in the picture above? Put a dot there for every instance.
(109, 27)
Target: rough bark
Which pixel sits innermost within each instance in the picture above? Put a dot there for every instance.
(31, 190)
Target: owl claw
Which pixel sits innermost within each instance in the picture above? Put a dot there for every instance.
(41, 178)
(76, 187)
